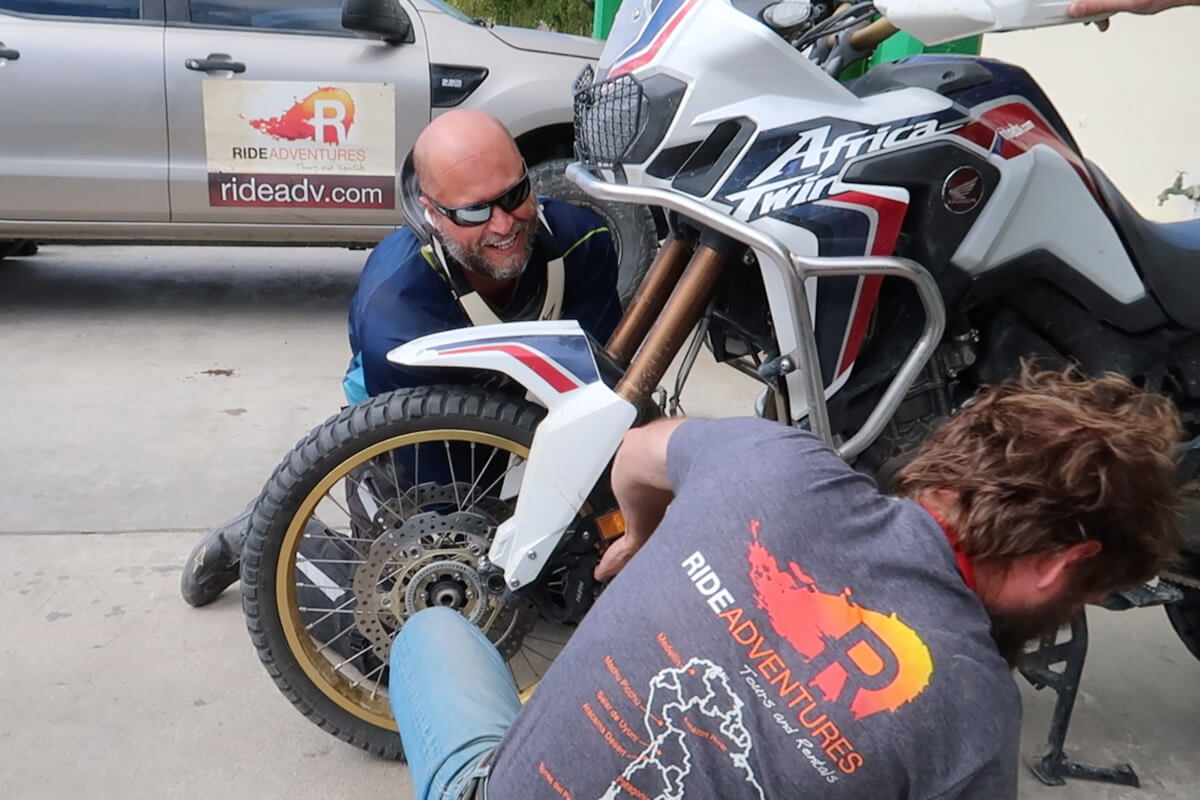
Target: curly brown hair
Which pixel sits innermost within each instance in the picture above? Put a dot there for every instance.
(1051, 459)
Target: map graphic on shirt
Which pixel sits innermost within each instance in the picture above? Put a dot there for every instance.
(662, 768)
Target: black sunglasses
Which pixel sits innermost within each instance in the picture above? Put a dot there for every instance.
(479, 213)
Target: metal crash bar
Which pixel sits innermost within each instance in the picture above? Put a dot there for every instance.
(794, 270)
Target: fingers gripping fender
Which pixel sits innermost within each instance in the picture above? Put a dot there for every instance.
(582, 429)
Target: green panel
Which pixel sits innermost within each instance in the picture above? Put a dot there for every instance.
(602, 17)
(902, 45)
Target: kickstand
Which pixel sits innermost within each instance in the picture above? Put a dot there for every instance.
(1052, 766)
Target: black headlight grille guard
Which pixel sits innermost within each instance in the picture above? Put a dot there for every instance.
(608, 118)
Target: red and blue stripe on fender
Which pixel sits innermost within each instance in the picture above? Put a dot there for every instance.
(565, 363)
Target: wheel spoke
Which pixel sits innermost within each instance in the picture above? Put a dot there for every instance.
(326, 587)
(367, 677)
(329, 496)
(351, 658)
(392, 574)
(332, 611)
(346, 540)
(482, 472)
(396, 482)
(503, 475)
(363, 487)
(472, 486)
(335, 638)
(453, 482)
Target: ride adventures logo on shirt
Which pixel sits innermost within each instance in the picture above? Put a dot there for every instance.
(835, 656)
(807, 673)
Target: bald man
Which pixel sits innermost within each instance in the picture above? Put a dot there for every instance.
(485, 249)
(497, 253)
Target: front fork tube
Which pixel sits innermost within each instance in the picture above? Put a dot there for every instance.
(679, 315)
(650, 298)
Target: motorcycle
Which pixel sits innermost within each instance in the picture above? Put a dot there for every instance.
(871, 251)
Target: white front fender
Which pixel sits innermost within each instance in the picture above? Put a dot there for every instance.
(584, 424)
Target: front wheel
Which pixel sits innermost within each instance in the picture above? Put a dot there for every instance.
(386, 509)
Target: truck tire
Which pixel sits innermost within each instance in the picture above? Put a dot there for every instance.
(17, 248)
(633, 230)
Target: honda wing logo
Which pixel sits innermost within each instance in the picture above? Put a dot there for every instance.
(805, 163)
(962, 190)
(962, 194)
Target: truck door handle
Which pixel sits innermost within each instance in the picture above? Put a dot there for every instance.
(9, 54)
(211, 64)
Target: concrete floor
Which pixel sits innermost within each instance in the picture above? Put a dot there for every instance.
(148, 393)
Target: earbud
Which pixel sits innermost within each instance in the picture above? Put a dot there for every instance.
(429, 217)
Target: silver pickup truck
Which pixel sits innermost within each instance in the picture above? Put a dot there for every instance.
(257, 121)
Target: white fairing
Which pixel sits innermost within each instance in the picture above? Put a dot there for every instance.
(584, 424)
(1042, 204)
(571, 448)
(935, 23)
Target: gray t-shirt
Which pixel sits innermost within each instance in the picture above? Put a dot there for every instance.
(787, 632)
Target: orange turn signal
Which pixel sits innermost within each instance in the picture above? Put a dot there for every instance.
(611, 525)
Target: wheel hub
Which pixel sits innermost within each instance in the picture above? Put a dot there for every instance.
(447, 593)
(446, 583)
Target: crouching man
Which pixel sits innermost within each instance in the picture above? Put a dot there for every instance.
(789, 631)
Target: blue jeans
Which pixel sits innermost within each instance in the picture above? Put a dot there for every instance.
(453, 699)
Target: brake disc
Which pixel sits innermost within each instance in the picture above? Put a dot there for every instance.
(432, 559)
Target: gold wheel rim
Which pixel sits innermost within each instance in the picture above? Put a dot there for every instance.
(370, 707)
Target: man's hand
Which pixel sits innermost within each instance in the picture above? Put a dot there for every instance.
(642, 488)
(1093, 8)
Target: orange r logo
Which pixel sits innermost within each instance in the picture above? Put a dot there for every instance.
(867, 660)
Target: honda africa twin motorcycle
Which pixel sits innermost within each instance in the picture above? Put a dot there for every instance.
(872, 252)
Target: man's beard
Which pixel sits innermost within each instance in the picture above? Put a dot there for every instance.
(475, 258)
(1012, 630)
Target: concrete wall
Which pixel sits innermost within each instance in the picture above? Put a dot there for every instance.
(1131, 97)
